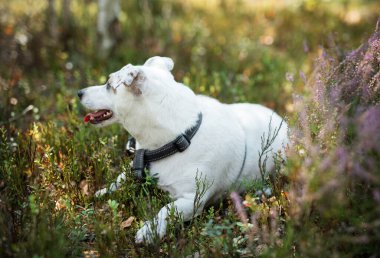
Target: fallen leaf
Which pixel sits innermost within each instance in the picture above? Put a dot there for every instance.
(8, 30)
(84, 187)
(91, 253)
(60, 204)
(127, 223)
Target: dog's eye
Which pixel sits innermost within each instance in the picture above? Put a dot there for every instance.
(108, 86)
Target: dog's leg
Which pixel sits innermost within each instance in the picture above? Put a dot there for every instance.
(184, 207)
(113, 187)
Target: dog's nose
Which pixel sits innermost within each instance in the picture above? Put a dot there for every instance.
(80, 94)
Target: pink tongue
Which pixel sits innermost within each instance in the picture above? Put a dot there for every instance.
(87, 118)
(93, 115)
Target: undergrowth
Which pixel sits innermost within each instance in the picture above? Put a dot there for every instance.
(321, 201)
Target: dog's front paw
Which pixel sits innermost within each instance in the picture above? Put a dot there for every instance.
(148, 234)
(144, 234)
(101, 192)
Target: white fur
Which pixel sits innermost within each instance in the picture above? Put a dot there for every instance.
(164, 110)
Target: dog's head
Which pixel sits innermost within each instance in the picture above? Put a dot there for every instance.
(125, 90)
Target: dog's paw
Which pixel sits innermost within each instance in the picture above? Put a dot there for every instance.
(147, 235)
(101, 192)
(144, 234)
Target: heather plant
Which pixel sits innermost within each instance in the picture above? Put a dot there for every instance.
(331, 206)
(334, 158)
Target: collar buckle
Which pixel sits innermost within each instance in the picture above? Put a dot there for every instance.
(139, 164)
(182, 142)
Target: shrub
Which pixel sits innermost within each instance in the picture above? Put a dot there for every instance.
(333, 165)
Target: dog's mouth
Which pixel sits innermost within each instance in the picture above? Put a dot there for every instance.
(98, 116)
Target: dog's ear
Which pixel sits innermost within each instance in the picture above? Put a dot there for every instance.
(132, 78)
(165, 63)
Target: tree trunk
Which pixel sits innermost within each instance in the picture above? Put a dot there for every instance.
(52, 25)
(107, 21)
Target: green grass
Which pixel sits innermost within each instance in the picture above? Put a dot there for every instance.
(51, 163)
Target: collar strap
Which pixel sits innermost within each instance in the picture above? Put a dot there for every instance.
(143, 157)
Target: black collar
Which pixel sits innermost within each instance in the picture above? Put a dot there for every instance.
(143, 157)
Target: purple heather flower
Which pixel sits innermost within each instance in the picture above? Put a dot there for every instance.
(239, 207)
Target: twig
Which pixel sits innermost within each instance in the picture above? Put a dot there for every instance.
(23, 113)
(266, 143)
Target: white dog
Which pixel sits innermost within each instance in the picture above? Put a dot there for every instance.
(223, 147)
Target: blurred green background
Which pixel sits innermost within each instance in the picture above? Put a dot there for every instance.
(233, 50)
